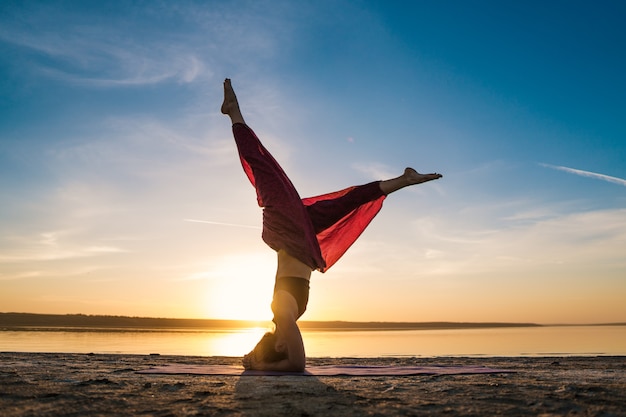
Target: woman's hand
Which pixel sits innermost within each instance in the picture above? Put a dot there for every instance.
(250, 362)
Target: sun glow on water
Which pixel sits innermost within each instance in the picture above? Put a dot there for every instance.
(234, 343)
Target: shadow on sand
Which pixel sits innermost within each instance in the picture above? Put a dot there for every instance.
(294, 396)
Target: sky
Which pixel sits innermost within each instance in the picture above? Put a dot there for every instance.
(121, 192)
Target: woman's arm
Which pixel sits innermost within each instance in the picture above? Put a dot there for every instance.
(295, 361)
(296, 358)
(289, 338)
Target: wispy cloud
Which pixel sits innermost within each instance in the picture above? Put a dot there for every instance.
(574, 243)
(105, 50)
(60, 254)
(81, 49)
(588, 174)
(51, 246)
(88, 60)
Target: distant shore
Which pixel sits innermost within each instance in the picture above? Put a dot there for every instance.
(65, 385)
(31, 321)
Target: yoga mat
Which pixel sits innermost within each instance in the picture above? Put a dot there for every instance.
(325, 370)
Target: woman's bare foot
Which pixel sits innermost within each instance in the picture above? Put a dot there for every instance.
(230, 106)
(410, 177)
(414, 177)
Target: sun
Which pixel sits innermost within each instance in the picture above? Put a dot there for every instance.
(241, 287)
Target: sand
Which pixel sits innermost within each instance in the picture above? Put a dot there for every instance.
(35, 384)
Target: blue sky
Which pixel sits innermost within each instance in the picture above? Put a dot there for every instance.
(122, 193)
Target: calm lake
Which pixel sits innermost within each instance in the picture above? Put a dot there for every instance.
(527, 341)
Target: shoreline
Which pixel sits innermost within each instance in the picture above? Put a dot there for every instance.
(73, 384)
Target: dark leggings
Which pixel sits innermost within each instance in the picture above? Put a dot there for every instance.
(298, 288)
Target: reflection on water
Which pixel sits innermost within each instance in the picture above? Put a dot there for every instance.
(196, 343)
(531, 341)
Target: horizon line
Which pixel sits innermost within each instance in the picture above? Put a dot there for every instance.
(103, 320)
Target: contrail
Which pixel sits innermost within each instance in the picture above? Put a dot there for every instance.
(588, 174)
(222, 224)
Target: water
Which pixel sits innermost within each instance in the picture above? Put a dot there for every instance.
(530, 341)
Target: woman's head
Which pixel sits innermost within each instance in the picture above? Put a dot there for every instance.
(266, 351)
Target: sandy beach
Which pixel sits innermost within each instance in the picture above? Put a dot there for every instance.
(36, 384)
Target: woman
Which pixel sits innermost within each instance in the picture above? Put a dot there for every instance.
(307, 234)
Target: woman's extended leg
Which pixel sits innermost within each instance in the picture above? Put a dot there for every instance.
(286, 224)
(328, 209)
(340, 217)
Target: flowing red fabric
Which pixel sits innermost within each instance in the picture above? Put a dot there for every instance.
(316, 230)
(335, 240)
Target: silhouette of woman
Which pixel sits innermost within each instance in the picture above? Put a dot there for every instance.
(307, 234)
